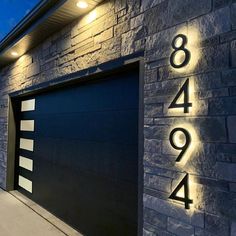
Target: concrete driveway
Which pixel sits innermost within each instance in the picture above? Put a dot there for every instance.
(16, 218)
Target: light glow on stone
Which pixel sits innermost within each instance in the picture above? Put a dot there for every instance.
(91, 16)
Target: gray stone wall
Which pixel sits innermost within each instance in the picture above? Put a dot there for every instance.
(122, 27)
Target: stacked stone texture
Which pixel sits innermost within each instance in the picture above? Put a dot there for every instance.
(123, 27)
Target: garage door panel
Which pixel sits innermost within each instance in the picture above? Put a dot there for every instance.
(115, 160)
(85, 157)
(100, 208)
(106, 126)
(104, 187)
(85, 95)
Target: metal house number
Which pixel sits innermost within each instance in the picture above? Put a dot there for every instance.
(177, 49)
(178, 44)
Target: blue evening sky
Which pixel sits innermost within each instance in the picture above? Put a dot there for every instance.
(11, 12)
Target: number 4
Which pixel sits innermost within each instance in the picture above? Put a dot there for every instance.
(185, 184)
(186, 104)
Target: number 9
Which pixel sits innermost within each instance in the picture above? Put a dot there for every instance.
(184, 147)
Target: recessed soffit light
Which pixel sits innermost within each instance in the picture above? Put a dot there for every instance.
(82, 4)
(14, 53)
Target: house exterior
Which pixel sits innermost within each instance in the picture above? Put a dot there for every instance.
(121, 119)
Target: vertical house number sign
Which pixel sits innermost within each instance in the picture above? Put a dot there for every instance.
(178, 44)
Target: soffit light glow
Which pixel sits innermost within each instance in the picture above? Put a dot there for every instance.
(82, 4)
(14, 53)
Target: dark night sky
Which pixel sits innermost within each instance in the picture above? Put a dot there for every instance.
(11, 12)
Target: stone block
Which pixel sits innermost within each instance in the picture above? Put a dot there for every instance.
(121, 28)
(222, 106)
(226, 171)
(169, 173)
(160, 43)
(227, 37)
(172, 210)
(148, 233)
(213, 58)
(105, 35)
(156, 132)
(183, 10)
(232, 91)
(3, 107)
(157, 182)
(150, 75)
(33, 69)
(63, 44)
(216, 225)
(231, 124)
(232, 187)
(151, 86)
(156, 231)
(155, 19)
(87, 49)
(136, 21)
(179, 228)
(226, 149)
(233, 53)
(3, 146)
(82, 37)
(205, 94)
(3, 177)
(152, 145)
(209, 42)
(197, 218)
(147, 4)
(25, 60)
(120, 5)
(207, 81)
(233, 15)
(154, 218)
(173, 12)
(210, 129)
(213, 197)
(153, 110)
(227, 204)
(148, 121)
(111, 47)
(229, 77)
(212, 24)
(104, 25)
(233, 228)
(220, 3)
(210, 59)
(158, 159)
(129, 39)
(103, 12)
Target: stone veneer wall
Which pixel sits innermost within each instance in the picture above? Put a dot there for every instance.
(123, 27)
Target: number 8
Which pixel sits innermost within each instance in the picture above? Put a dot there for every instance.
(179, 48)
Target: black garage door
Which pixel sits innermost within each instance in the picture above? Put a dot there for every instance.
(77, 154)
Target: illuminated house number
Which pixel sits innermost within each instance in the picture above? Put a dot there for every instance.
(178, 44)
